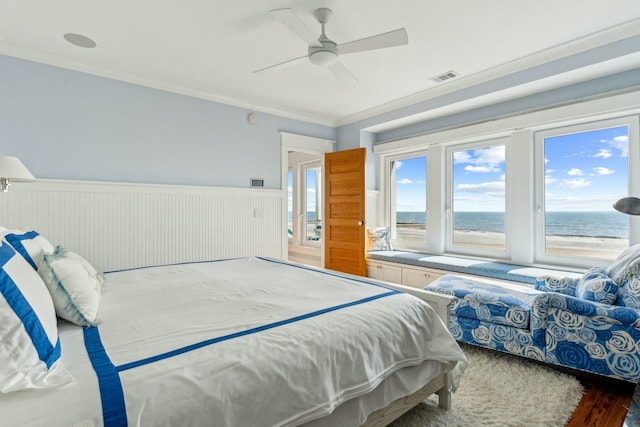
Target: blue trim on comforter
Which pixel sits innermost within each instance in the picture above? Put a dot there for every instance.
(114, 412)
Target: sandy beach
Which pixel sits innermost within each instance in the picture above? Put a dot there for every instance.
(593, 247)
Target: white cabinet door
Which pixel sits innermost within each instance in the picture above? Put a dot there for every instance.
(389, 273)
(419, 277)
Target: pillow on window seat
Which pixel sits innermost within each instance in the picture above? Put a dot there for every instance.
(29, 344)
(626, 266)
(74, 284)
(379, 239)
(595, 285)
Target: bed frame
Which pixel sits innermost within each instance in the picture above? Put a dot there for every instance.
(106, 222)
(440, 385)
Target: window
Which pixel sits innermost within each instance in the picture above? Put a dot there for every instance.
(531, 195)
(477, 194)
(304, 204)
(408, 200)
(583, 170)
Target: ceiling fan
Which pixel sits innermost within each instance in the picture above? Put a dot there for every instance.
(325, 52)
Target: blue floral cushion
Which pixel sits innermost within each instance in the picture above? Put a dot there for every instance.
(595, 285)
(558, 284)
(501, 304)
(629, 294)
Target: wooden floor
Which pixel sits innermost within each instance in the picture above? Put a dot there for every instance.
(606, 403)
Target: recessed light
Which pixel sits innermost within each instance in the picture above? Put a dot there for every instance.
(80, 40)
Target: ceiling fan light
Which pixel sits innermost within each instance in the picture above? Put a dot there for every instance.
(323, 58)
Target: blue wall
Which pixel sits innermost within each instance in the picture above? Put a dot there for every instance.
(64, 124)
(70, 125)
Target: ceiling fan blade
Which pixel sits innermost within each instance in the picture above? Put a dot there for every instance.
(282, 65)
(341, 73)
(390, 39)
(293, 23)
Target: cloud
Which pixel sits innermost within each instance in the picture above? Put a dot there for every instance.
(622, 139)
(482, 169)
(405, 181)
(604, 153)
(621, 143)
(398, 164)
(548, 179)
(461, 157)
(482, 160)
(494, 187)
(574, 172)
(602, 171)
(574, 183)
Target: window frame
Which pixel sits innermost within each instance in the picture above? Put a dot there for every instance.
(390, 208)
(450, 247)
(633, 185)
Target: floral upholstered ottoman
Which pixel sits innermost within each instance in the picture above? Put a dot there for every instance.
(492, 314)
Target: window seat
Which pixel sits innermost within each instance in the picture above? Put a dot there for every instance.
(476, 267)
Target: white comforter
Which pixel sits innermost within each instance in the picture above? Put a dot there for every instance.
(245, 342)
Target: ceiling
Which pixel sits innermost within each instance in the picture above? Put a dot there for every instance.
(211, 48)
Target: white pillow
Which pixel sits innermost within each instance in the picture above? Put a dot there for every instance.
(74, 284)
(29, 344)
(30, 244)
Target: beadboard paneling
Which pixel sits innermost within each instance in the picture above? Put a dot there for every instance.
(118, 226)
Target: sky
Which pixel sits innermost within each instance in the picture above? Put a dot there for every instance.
(583, 172)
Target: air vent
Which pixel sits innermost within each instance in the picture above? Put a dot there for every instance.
(446, 76)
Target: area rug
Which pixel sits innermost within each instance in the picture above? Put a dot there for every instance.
(502, 390)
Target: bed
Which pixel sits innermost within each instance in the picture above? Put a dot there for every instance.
(239, 342)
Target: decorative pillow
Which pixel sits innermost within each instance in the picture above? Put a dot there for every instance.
(595, 285)
(30, 244)
(629, 294)
(379, 239)
(626, 266)
(29, 343)
(74, 284)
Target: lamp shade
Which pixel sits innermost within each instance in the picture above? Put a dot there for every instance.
(13, 169)
(628, 205)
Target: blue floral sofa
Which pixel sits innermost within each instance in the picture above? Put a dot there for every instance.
(590, 323)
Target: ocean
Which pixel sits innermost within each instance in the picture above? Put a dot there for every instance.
(581, 224)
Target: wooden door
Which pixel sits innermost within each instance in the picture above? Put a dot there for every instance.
(344, 212)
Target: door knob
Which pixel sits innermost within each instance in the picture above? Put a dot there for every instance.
(360, 222)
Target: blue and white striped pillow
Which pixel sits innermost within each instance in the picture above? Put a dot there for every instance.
(30, 244)
(29, 343)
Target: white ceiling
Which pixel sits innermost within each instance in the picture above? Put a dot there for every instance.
(210, 48)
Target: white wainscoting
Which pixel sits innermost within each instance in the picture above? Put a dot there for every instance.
(117, 226)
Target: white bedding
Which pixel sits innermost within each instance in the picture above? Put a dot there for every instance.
(245, 342)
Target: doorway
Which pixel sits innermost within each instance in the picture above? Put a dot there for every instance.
(302, 172)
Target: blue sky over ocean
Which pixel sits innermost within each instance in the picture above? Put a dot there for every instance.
(584, 171)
